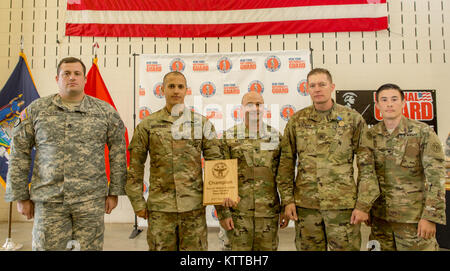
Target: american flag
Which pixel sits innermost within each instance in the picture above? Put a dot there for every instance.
(221, 18)
(425, 96)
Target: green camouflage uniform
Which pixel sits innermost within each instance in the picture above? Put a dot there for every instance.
(257, 214)
(69, 168)
(447, 160)
(175, 145)
(326, 143)
(410, 169)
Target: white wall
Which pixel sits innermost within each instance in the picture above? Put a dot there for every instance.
(414, 55)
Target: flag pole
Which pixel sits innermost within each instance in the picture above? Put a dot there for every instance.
(135, 231)
(95, 46)
(9, 244)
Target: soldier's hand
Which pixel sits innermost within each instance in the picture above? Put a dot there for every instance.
(359, 216)
(426, 229)
(227, 223)
(142, 213)
(26, 208)
(229, 203)
(284, 221)
(111, 203)
(290, 212)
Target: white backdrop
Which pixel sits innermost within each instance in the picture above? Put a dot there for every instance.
(217, 82)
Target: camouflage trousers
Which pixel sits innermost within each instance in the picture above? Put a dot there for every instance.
(185, 231)
(56, 224)
(254, 233)
(400, 236)
(321, 230)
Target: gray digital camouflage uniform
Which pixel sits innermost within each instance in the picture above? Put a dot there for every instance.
(326, 144)
(69, 168)
(410, 169)
(175, 198)
(257, 214)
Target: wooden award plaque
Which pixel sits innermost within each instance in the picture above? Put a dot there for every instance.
(221, 181)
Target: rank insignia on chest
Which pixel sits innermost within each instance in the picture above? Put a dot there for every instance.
(341, 122)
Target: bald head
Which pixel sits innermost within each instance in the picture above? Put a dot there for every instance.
(253, 104)
(252, 97)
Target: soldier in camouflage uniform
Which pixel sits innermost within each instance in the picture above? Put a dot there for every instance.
(326, 202)
(69, 189)
(252, 224)
(447, 159)
(409, 162)
(175, 138)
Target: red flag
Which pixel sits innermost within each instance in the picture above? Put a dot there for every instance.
(95, 87)
(221, 18)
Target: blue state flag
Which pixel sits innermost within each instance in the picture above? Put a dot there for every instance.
(18, 92)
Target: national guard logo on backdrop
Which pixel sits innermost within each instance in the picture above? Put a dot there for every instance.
(177, 65)
(296, 63)
(157, 90)
(302, 88)
(247, 64)
(256, 86)
(231, 89)
(224, 65)
(272, 63)
(144, 111)
(153, 66)
(419, 106)
(280, 88)
(200, 66)
(287, 111)
(141, 91)
(237, 113)
(207, 89)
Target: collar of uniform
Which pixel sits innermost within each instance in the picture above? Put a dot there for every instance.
(85, 104)
(315, 115)
(402, 128)
(262, 134)
(380, 128)
(57, 100)
(166, 116)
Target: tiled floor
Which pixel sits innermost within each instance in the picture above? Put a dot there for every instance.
(117, 237)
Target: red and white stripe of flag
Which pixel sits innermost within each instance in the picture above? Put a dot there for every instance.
(221, 18)
(425, 97)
